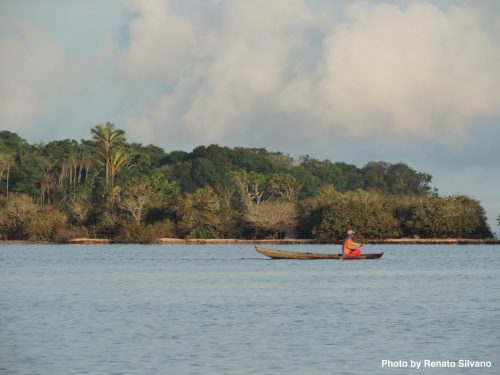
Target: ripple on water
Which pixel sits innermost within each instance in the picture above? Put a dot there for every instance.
(225, 310)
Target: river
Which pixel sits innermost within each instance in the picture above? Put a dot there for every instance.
(224, 309)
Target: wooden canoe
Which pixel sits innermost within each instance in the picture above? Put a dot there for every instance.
(282, 254)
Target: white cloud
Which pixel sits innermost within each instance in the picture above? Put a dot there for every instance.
(34, 73)
(160, 43)
(237, 65)
(413, 72)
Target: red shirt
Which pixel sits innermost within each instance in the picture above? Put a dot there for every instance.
(348, 246)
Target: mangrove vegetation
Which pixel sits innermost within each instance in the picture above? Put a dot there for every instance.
(106, 187)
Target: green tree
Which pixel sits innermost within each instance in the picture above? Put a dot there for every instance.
(283, 187)
(174, 157)
(325, 171)
(210, 190)
(106, 136)
(11, 142)
(164, 190)
(282, 162)
(402, 179)
(6, 163)
(118, 160)
(374, 176)
(309, 183)
(180, 172)
(365, 211)
(230, 224)
(449, 217)
(207, 213)
(199, 214)
(47, 188)
(252, 160)
(203, 172)
(137, 198)
(311, 210)
(146, 159)
(250, 185)
(27, 173)
(352, 177)
(165, 194)
(70, 164)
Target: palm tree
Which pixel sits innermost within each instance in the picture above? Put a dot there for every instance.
(6, 163)
(118, 159)
(106, 136)
(84, 163)
(46, 188)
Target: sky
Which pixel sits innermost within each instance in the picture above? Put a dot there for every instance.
(356, 81)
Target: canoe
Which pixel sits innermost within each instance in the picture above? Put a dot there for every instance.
(282, 254)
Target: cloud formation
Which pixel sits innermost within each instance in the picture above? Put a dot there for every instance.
(34, 73)
(353, 80)
(268, 73)
(414, 71)
(216, 75)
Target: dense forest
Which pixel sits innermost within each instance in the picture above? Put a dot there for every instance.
(107, 187)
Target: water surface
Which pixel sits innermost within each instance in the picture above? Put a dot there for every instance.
(224, 309)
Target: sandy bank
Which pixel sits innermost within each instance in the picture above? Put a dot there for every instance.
(228, 241)
(89, 241)
(436, 241)
(395, 241)
(219, 241)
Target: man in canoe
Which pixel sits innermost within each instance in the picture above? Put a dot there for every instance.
(349, 247)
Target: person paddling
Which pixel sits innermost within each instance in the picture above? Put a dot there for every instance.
(349, 247)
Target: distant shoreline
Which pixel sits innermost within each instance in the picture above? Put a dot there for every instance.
(230, 241)
(435, 241)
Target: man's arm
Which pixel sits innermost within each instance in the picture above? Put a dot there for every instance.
(354, 245)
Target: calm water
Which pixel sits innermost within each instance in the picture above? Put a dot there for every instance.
(184, 309)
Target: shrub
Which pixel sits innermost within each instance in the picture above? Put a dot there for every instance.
(203, 231)
(454, 217)
(15, 214)
(365, 211)
(108, 224)
(272, 217)
(70, 233)
(45, 224)
(207, 213)
(78, 206)
(312, 210)
(134, 232)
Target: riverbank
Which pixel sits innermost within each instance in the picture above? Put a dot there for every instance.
(221, 241)
(230, 241)
(390, 241)
(435, 241)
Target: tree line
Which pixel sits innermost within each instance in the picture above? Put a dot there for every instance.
(107, 187)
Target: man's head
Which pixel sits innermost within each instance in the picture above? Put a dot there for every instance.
(350, 233)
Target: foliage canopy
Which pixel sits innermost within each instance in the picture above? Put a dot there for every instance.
(105, 186)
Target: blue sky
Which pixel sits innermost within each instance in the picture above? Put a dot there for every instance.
(354, 81)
